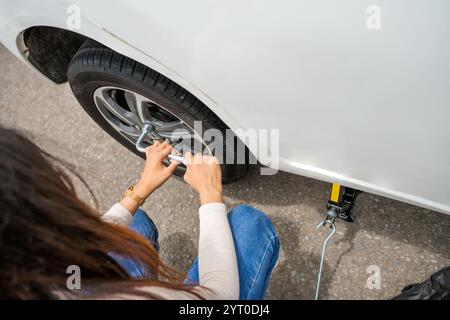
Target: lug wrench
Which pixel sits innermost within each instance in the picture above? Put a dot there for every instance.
(149, 129)
(340, 205)
(330, 220)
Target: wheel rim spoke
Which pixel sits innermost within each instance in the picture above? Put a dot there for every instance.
(115, 109)
(138, 106)
(127, 112)
(176, 127)
(115, 122)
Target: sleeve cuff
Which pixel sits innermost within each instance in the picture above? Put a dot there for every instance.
(118, 214)
(212, 208)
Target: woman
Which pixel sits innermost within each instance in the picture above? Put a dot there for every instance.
(45, 228)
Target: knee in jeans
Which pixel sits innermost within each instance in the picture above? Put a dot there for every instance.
(246, 212)
(249, 216)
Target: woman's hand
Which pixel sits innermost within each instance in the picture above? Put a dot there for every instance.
(155, 172)
(204, 175)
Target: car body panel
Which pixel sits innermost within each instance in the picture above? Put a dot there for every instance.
(366, 108)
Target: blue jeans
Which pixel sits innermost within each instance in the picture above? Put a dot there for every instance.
(255, 240)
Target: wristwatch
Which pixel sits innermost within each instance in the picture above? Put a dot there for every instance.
(131, 194)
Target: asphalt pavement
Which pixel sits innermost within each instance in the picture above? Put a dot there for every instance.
(405, 243)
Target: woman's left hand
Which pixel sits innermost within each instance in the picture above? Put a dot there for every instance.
(155, 172)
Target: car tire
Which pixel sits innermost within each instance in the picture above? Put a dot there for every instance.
(95, 66)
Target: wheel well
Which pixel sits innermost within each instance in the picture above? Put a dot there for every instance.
(50, 50)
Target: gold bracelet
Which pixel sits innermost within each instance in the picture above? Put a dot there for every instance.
(133, 196)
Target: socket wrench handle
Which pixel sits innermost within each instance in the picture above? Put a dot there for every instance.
(180, 159)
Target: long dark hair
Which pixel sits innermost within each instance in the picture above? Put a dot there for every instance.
(45, 227)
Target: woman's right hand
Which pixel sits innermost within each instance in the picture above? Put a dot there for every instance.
(204, 175)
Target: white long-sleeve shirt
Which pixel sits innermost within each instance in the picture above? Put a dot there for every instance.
(217, 263)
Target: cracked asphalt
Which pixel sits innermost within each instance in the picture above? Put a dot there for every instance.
(405, 242)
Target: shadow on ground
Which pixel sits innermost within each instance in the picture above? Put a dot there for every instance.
(179, 250)
(385, 217)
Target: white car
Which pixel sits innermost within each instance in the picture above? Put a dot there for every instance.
(360, 93)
